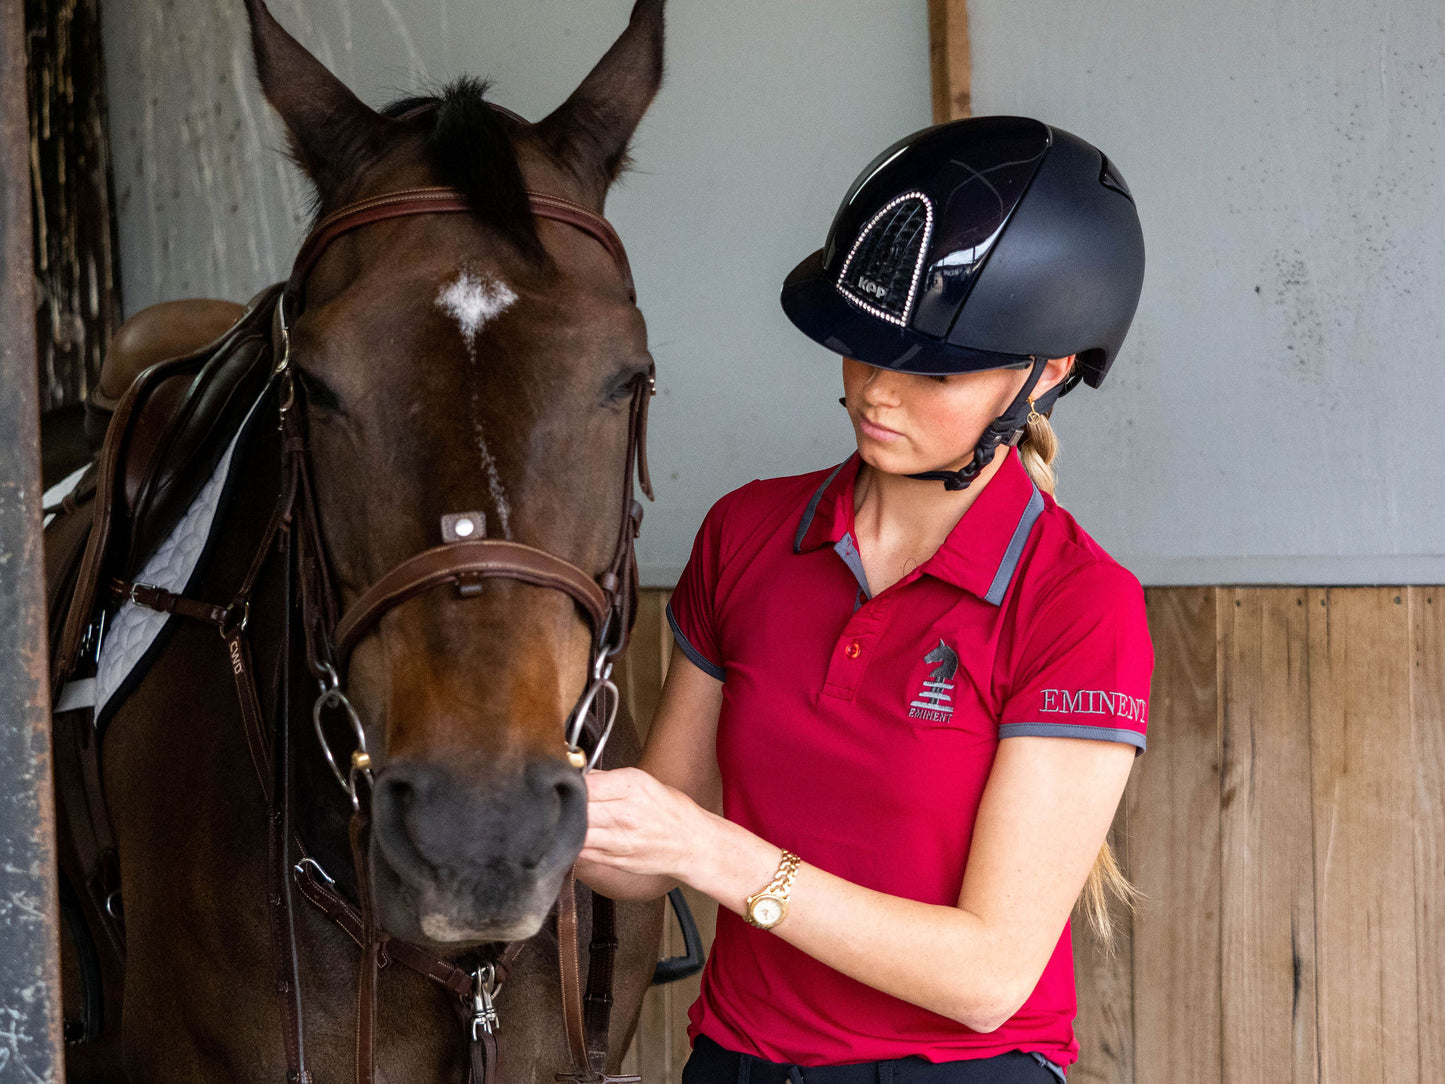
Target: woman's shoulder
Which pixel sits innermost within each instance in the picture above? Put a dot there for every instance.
(1065, 561)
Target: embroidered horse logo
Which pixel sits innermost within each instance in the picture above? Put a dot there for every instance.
(934, 701)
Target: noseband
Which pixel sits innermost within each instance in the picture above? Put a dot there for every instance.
(608, 600)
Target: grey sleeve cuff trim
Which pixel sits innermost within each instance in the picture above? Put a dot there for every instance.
(1072, 730)
(698, 659)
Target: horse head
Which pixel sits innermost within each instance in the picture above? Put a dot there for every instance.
(483, 363)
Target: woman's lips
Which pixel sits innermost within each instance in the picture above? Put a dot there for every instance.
(874, 431)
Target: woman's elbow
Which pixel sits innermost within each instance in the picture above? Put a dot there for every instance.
(986, 1010)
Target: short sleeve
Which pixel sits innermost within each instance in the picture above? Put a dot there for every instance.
(692, 609)
(1082, 669)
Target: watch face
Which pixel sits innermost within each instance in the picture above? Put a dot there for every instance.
(767, 911)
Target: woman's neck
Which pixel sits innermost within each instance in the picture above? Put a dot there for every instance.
(900, 522)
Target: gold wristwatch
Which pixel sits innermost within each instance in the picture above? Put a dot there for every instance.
(768, 907)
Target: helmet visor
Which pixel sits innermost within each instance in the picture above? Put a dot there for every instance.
(817, 307)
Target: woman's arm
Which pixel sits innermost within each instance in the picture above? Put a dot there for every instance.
(680, 752)
(1045, 812)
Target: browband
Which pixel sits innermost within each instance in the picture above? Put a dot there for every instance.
(439, 200)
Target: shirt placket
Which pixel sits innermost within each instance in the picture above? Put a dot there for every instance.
(858, 642)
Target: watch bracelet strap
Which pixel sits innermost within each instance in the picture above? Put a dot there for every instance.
(782, 880)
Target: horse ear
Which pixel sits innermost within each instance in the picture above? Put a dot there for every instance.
(589, 132)
(331, 131)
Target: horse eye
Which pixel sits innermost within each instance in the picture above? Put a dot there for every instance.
(624, 385)
(318, 394)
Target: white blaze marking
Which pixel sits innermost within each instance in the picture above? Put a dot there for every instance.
(473, 300)
(494, 480)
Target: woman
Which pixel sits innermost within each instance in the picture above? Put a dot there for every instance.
(900, 716)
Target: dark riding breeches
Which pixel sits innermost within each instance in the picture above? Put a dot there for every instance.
(712, 1064)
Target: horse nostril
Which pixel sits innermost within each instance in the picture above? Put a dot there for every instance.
(561, 798)
(394, 804)
(571, 795)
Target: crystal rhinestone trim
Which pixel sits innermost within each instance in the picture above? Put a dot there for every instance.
(888, 256)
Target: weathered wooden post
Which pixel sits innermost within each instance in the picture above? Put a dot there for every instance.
(30, 1038)
(949, 59)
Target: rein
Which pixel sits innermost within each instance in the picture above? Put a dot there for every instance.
(608, 602)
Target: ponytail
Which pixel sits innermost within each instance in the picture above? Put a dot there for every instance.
(1038, 449)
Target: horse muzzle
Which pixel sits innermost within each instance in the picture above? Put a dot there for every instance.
(457, 861)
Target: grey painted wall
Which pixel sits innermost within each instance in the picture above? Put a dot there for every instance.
(1270, 419)
(1274, 414)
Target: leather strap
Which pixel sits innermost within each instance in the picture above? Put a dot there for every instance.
(365, 1058)
(568, 958)
(597, 1001)
(437, 200)
(587, 1019)
(463, 564)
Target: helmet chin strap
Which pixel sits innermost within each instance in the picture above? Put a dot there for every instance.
(1005, 429)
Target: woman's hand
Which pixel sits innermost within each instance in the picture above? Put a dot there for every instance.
(640, 826)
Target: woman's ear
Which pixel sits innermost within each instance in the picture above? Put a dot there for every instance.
(1054, 373)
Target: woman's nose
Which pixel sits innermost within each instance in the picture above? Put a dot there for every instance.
(880, 387)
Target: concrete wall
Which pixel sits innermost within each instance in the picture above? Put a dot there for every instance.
(1287, 160)
(1273, 416)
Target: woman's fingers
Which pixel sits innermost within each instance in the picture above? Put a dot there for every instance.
(634, 822)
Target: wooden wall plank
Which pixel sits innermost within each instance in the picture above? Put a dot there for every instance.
(1174, 849)
(1104, 1026)
(1267, 918)
(1427, 718)
(950, 59)
(1363, 792)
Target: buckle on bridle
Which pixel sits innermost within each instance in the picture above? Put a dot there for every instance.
(230, 625)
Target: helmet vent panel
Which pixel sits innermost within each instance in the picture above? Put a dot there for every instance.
(883, 268)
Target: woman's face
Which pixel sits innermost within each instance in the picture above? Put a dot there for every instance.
(907, 424)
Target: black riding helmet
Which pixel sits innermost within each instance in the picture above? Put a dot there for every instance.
(987, 243)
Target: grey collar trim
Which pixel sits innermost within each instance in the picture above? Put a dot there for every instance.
(1010, 563)
(812, 508)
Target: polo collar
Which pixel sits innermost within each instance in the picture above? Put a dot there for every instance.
(980, 555)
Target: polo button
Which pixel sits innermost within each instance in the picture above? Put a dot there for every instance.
(853, 650)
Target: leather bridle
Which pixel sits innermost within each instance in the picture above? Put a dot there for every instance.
(607, 600)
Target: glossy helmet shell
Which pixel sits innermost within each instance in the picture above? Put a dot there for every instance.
(974, 245)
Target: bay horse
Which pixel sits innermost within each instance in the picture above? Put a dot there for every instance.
(478, 371)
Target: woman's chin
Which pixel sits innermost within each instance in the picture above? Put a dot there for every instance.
(887, 459)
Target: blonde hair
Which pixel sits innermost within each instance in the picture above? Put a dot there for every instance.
(1037, 449)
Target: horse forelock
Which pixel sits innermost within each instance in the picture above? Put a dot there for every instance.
(467, 144)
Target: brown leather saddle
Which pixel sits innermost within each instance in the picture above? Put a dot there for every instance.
(175, 386)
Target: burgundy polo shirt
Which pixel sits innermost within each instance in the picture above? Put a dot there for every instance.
(859, 731)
